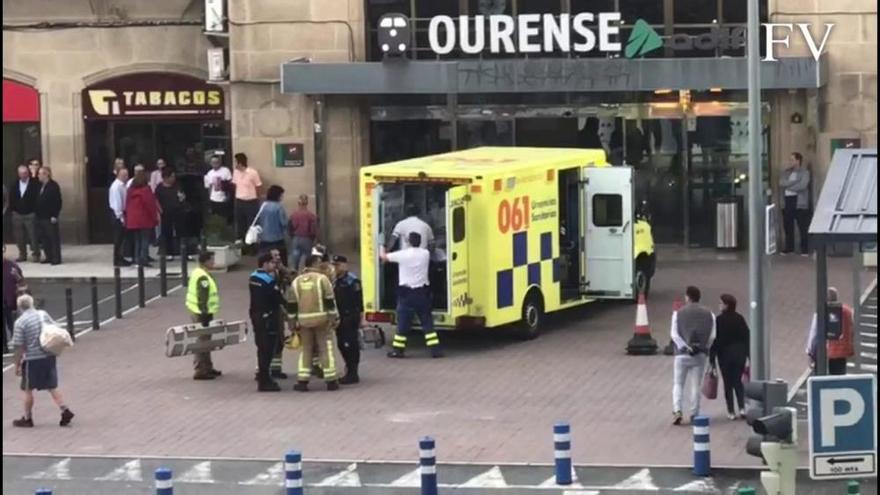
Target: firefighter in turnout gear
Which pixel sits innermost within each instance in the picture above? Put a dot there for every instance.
(203, 303)
(266, 305)
(314, 307)
(327, 268)
(283, 277)
(350, 301)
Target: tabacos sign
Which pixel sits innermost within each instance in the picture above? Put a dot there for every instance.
(588, 32)
(153, 95)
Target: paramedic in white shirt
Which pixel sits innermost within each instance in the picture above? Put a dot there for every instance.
(412, 223)
(217, 180)
(413, 295)
(117, 195)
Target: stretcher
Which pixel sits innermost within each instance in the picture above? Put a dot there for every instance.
(183, 340)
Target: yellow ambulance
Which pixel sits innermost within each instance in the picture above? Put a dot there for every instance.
(518, 233)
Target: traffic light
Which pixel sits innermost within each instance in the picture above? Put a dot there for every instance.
(779, 449)
(764, 397)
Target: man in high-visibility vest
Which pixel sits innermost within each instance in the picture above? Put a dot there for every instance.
(314, 306)
(203, 303)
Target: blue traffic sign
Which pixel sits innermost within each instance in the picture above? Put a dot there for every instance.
(843, 426)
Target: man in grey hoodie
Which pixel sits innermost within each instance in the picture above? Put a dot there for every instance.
(794, 183)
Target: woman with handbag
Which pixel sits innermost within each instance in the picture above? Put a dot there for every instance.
(731, 351)
(272, 221)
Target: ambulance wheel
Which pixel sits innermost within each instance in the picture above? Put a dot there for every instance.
(532, 316)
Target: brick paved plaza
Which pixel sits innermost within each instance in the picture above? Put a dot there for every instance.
(494, 399)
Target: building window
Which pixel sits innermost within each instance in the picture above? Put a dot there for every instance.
(608, 210)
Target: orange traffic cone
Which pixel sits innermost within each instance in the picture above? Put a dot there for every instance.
(669, 350)
(642, 343)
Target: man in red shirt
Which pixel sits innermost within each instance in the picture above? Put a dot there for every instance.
(304, 230)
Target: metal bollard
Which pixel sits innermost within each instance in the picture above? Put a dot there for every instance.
(702, 454)
(117, 291)
(164, 485)
(96, 319)
(852, 488)
(68, 303)
(163, 270)
(562, 452)
(428, 466)
(293, 476)
(141, 289)
(43, 491)
(184, 270)
(746, 491)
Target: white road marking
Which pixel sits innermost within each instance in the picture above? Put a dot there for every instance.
(580, 492)
(551, 483)
(130, 471)
(639, 481)
(108, 320)
(492, 478)
(272, 476)
(58, 471)
(200, 473)
(410, 479)
(348, 477)
(703, 486)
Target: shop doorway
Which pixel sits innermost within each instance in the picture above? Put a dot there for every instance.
(21, 134)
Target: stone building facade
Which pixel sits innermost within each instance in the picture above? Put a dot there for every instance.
(61, 49)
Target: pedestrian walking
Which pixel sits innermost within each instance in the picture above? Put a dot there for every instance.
(795, 184)
(304, 232)
(171, 203)
(36, 367)
(141, 216)
(247, 194)
(203, 304)
(23, 204)
(314, 307)
(413, 295)
(47, 213)
(266, 305)
(13, 279)
(731, 352)
(412, 223)
(693, 332)
(272, 219)
(350, 301)
(218, 181)
(837, 351)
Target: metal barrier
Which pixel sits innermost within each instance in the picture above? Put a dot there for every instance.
(96, 319)
(68, 304)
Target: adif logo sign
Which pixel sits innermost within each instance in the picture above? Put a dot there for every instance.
(587, 32)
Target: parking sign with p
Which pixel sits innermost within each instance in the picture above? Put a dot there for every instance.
(843, 426)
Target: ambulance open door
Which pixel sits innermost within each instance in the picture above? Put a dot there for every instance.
(379, 240)
(607, 254)
(459, 299)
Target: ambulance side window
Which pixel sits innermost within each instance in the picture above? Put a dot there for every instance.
(608, 210)
(458, 224)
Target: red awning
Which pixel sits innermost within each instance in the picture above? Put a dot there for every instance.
(20, 103)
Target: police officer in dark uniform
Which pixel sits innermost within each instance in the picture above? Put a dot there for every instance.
(266, 303)
(350, 303)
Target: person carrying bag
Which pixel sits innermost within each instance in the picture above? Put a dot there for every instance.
(53, 338)
(252, 236)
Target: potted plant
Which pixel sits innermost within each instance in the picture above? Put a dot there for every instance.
(220, 240)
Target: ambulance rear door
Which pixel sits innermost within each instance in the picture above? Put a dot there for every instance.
(378, 237)
(457, 251)
(607, 227)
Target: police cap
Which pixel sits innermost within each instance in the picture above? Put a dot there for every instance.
(340, 259)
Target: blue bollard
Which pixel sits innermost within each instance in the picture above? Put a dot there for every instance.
(562, 453)
(428, 466)
(164, 485)
(293, 474)
(702, 454)
(43, 491)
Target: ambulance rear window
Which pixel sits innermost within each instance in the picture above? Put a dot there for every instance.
(458, 224)
(608, 210)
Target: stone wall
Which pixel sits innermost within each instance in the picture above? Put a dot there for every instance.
(263, 35)
(61, 63)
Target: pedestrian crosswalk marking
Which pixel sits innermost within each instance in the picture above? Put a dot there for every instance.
(703, 486)
(200, 473)
(639, 481)
(410, 479)
(58, 471)
(130, 471)
(492, 478)
(348, 477)
(272, 476)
